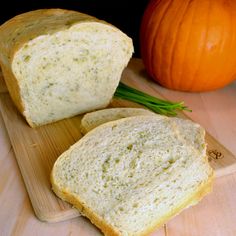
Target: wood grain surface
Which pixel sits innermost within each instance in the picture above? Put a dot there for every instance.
(215, 215)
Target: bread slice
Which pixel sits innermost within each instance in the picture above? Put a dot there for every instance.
(93, 119)
(59, 63)
(131, 175)
(192, 132)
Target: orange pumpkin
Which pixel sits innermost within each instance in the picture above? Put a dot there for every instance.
(190, 45)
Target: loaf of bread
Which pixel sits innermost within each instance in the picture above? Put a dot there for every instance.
(131, 175)
(192, 132)
(59, 63)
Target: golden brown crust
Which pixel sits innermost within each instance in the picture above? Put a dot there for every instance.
(21, 29)
(13, 86)
(108, 230)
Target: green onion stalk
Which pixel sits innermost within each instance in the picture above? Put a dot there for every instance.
(157, 105)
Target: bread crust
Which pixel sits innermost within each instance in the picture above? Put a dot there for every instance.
(203, 189)
(22, 28)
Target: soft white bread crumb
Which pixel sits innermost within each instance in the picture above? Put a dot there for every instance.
(60, 63)
(131, 175)
(192, 132)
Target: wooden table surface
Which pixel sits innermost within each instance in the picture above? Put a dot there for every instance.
(215, 215)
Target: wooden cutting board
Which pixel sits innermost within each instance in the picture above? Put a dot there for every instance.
(37, 149)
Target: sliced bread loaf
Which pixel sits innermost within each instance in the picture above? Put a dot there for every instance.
(131, 175)
(59, 63)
